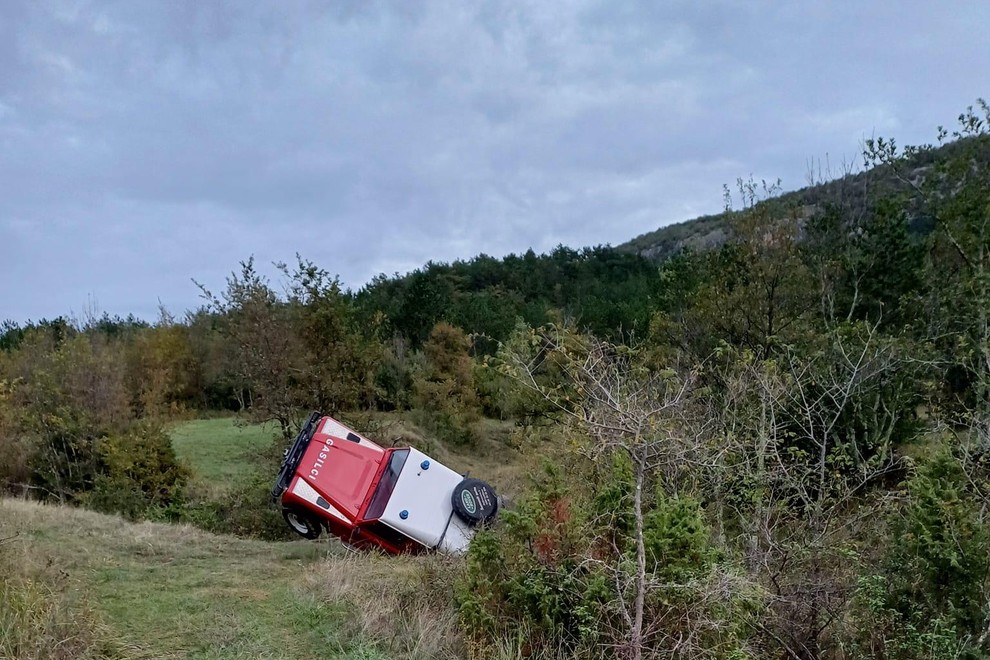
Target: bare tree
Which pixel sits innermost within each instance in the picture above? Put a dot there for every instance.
(648, 415)
(809, 434)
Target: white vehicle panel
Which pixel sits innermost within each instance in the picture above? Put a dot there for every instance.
(335, 429)
(308, 493)
(424, 495)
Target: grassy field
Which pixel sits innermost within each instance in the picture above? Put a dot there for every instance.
(221, 451)
(170, 591)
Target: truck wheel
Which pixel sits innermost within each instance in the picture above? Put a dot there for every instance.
(474, 502)
(302, 523)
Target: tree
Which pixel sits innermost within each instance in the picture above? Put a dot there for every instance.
(444, 389)
(339, 355)
(954, 191)
(162, 369)
(753, 293)
(268, 354)
(808, 436)
(650, 417)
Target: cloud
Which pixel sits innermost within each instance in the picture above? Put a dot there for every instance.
(144, 145)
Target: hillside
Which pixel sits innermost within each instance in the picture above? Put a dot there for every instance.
(775, 449)
(853, 192)
(154, 590)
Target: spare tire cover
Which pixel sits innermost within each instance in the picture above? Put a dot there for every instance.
(474, 501)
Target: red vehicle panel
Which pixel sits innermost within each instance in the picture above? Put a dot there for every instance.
(341, 470)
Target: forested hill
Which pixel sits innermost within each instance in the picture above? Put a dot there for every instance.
(597, 288)
(853, 191)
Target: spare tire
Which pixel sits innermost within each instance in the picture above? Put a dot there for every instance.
(474, 501)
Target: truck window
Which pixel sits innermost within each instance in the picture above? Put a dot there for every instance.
(384, 491)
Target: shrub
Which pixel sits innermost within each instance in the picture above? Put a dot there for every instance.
(529, 575)
(559, 572)
(936, 582)
(444, 390)
(677, 539)
(137, 471)
(15, 447)
(245, 511)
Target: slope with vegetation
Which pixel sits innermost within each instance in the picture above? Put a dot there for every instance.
(846, 186)
(772, 447)
(77, 584)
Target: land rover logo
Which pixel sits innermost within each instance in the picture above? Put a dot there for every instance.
(468, 499)
(474, 501)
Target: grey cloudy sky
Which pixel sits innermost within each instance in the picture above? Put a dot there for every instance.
(146, 143)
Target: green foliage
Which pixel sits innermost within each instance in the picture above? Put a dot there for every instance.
(886, 633)
(137, 472)
(394, 375)
(15, 448)
(613, 501)
(601, 289)
(535, 362)
(303, 352)
(162, 371)
(928, 595)
(444, 390)
(869, 266)
(72, 432)
(754, 293)
(245, 510)
(340, 355)
(266, 352)
(677, 539)
(558, 570)
(939, 569)
(528, 574)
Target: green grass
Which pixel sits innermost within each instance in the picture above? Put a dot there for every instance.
(169, 591)
(221, 452)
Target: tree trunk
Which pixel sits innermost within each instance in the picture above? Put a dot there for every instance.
(636, 634)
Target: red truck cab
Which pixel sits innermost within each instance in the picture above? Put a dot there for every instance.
(398, 499)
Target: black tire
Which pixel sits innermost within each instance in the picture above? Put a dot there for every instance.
(302, 523)
(474, 501)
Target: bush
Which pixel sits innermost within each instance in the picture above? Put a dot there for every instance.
(245, 511)
(559, 572)
(677, 539)
(15, 447)
(884, 632)
(529, 575)
(136, 471)
(935, 586)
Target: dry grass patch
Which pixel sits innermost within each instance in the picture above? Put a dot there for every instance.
(42, 612)
(403, 605)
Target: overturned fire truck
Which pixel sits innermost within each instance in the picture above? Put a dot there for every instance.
(397, 499)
